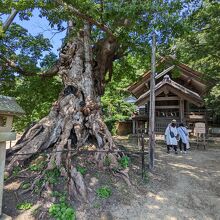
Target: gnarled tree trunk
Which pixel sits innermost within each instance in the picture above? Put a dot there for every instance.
(76, 115)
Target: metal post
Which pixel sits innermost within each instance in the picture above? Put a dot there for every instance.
(152, 105)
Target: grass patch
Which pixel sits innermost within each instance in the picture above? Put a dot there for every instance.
(104, 192)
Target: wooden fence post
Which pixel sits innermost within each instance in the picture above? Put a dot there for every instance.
(152, 105)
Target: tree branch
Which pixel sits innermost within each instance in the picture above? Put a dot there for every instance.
(52, 71)
(86, 18)
(9, 20)
(13, 65)
(48, 73)
(101, 10)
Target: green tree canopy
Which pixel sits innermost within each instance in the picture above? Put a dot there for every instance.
(131, 22)
(200, 48)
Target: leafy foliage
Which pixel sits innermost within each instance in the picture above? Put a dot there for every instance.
(38, 166)
(24, 206)
(81, 169)
(16, 170)
(38, 186)
(131, 22)
(104, 192)
(35, 103)
(61, 210)
(213, 98)
(124, 161)
(52, 175)
(25, 185)
(200, 49)
(113, 104)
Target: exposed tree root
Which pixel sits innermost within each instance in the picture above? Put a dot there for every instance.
(123, 174)
(76, 184)
(31, 188)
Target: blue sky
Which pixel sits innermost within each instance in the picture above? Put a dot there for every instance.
(38, 25)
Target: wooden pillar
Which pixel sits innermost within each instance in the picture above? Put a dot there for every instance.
(2, 169)
(181, 110)
(148, 116)
(187, 106)
(152, 105)
(133, 126)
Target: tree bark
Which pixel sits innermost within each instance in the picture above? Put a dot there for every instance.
(76, 115)
(9, 20)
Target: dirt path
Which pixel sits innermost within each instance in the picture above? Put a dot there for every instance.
(182, 187)
(188, 187)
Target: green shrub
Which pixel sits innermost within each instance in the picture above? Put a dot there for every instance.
(61, 210)
(124, 161)
(104, 192)
(111, 124)
(24, 206)
(107, 161)
(38, 167)
(16, 170)
(56, 194)
(82, 170)
(52, 175)
(38, 185)
(25, 185)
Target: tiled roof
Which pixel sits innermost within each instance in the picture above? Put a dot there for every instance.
(8, 105)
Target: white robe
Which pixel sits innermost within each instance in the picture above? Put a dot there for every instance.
(169, 139)
(184, 134)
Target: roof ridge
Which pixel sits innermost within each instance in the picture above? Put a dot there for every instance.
(173, 84)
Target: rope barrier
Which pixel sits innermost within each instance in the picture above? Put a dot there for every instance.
(142, 152)
(83, 151)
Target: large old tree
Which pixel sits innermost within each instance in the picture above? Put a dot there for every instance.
(98, 33)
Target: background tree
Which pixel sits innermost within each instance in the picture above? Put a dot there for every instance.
(114, 106)
(200, 48)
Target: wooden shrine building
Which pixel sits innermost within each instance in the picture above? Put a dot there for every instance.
(179, 95)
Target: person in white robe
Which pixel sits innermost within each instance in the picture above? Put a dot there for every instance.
(171, 135)
(184, 138)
